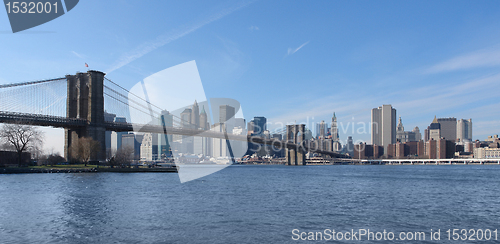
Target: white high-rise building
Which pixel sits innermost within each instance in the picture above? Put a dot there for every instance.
(464, 130)
(116, 137)
(219, 148)
(383, 126)
(147, 147)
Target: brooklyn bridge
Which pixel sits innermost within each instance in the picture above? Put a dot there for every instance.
(78, 104)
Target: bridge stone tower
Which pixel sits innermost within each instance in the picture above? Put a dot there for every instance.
(296, 134)
(86, 101)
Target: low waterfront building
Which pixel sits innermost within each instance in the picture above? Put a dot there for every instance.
(367, 151)
(439, 149)
(493, 138)
(10, 158)
(411, 149)
(490, 148)
(486, 153)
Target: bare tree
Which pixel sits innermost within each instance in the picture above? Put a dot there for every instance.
(123, 156)
(21, 138)
(85, 149)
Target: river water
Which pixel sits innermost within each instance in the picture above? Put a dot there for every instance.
(246, 204)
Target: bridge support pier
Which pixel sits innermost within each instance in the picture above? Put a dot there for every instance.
(86, 101)
(295, 134)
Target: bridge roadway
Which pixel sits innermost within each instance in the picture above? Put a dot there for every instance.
(64, 122)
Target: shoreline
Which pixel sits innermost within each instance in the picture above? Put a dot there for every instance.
(85, 170)
(26, 170)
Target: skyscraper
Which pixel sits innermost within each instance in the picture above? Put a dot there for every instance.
(259, 125)
(434, 130)
(108, 117)
(116, 137)
(448, 128)
(204, 119)
(322, 130)
(239, 122)
(349, 146)
(195, 115)
(334, 130)
(226, 112)
(256, 127)
(383, 126)
(186, 118)
(464, 130)
(166, 120)
(147, 147)
(418, 136)
(226, 117)
(201, 145)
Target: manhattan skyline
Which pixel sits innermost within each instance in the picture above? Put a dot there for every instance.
(286, 61)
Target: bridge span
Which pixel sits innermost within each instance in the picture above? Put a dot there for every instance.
(81, 113)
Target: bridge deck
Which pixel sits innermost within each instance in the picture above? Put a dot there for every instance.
(63, 122)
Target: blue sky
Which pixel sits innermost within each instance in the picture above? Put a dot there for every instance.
(285, 60)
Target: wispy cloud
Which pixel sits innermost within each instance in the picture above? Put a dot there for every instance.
(254, 28)
(77, 54)
(447, 97)
(294, 50)
(168, 37)
(481, 58)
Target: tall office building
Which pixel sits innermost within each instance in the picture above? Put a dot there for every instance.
(434, 130)
(322, 130)
(259, 125)
(128, 144)
(164, 149)
(256, 127)
(418, 135)
(383, 126)
(204, 119)
(226, 112)
(186, 118)
(137, 146)
(464, 130)
(219, 146)
(195, 115)
(349, 146)
(116, 137)
(147, 147)
(185, 144)
(128, 141)
(239, 123)
(203, 145)
(448, 128)
(108, 117)
(334, 129)
(226, 116)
